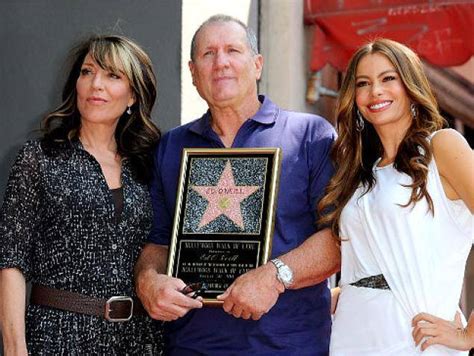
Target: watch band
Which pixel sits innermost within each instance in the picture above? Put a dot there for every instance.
(284, 273)
(278, 263)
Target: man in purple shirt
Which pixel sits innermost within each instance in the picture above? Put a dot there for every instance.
(283, 306)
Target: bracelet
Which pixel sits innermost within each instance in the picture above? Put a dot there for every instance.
(462, 331)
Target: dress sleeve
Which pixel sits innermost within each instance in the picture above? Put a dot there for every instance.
(20, 212)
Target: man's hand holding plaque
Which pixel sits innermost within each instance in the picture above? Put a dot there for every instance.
(163, 297)
(252, 294)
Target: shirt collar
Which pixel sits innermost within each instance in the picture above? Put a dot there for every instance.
(268, 112)
(266, 115)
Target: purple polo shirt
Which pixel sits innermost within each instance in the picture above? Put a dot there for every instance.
(299, 323)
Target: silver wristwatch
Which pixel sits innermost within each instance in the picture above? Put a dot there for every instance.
(284, 273)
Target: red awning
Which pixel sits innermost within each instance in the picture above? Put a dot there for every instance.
(439, 31)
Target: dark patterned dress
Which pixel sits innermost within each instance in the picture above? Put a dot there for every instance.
(58, 226)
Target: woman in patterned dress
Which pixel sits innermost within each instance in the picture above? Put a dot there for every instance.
(77, 211)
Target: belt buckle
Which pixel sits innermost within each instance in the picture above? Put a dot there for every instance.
(109, 309)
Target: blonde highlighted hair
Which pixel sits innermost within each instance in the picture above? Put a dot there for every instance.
(135, 134)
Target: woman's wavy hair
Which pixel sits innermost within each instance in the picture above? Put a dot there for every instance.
(136, 134)
(355, 152)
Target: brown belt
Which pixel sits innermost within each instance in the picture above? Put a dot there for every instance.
(118, 308)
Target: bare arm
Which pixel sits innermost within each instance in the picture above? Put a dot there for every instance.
(159, 293)
(314, 260)
(12, 310)
(455, 161)
(153, 258)
(254, 293)
(335, 292)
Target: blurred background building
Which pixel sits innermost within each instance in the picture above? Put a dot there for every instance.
(305, 44)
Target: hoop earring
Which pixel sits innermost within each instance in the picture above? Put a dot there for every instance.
(413, 110)
(129, 111)
(360, 124)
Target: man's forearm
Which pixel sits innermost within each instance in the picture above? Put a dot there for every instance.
(153, 257)
(254, 293)
(314, 260)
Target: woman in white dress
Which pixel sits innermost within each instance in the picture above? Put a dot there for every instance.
(401, 202)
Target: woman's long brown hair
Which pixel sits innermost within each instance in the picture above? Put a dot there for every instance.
(355, 153)
(136, 134)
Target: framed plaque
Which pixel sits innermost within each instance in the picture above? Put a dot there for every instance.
(224, 218)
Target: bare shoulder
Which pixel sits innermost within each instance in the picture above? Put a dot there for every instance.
(455, 161)
(446, 137)
(450, 148)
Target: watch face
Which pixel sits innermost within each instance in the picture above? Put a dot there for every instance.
(286, 274)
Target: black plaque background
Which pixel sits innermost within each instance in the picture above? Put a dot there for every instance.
(251, 259)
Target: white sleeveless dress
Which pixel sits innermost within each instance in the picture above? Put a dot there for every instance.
(422, 258)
